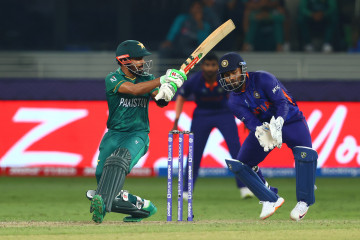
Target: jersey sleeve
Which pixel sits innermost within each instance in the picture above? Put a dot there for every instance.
(273, 91)
(113, 82)
(152, 77)
(245, 115)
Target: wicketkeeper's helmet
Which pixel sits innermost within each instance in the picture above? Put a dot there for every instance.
(230, 62)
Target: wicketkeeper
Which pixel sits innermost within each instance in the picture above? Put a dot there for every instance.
(264, 105)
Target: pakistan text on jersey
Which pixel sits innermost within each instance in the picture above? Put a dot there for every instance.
(133, 102)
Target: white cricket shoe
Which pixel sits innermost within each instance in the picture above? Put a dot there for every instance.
(246, 193)
(269, 208)
(90, 194)
(299, 211)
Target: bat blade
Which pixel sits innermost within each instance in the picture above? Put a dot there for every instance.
(209, 43)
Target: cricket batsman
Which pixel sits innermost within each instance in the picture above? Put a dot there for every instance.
(264, 105)
(128, 91)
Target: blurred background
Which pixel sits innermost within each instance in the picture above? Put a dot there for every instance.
(55, 54)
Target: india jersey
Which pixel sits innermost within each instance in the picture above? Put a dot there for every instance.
(264, 96)
(206, 96)
(127, 113)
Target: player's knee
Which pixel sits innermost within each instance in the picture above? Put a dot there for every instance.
(304, 154)
(121, 157)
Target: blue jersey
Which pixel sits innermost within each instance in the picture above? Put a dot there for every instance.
(206, 97)
(264, 96)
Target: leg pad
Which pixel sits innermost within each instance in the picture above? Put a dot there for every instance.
(112, 179)
(305, 165)
(251, 180)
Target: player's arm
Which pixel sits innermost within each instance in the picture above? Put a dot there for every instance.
(180, 100)
(245, 115)
(139, 88)
(272, 89)
(276, 95)
(173, 77)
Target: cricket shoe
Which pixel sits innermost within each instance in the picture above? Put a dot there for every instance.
(148, 206)
(299, 211)
(97, 208)
(90, 194)
(269, 208)
(246, 193)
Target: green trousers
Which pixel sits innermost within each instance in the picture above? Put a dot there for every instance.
(136, 142)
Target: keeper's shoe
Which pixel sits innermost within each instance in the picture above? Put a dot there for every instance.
(299, 211)
(269, 208)
(97, 208)
(148, 206)
(246, 193)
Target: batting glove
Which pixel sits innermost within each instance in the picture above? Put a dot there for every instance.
(166, 91)
(176, 76)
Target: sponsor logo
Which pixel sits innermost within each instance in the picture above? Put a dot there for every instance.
(125, 196)
(169, 209)
(191, 64)
(277, 87)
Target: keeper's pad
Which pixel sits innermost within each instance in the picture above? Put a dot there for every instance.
(112, 179)
(251, 180)
(121, 204)
(305, 165)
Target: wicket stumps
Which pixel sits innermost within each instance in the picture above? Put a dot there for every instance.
(190, 186)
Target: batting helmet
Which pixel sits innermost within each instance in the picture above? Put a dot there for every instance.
(131, 49)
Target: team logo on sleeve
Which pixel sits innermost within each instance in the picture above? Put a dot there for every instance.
(224, 63)
(256, 95)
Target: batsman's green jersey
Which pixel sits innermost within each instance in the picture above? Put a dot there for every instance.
(127, 113)
(128, 121)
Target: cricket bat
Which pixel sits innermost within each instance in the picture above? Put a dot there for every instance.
(209, 43)
(205, 47)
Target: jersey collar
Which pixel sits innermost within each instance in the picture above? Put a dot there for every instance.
(123, 74)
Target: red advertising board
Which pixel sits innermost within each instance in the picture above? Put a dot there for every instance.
(38, 135)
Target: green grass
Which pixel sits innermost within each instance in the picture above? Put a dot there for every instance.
(56, 208)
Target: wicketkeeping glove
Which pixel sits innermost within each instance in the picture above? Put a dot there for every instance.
(264, 137)
(276, 129)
